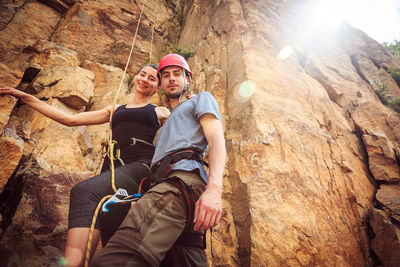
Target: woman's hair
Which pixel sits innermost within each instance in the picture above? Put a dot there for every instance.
(154, 66)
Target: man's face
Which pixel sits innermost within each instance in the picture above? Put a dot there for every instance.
(172, 81)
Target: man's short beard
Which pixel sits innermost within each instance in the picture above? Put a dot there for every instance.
(173, 95)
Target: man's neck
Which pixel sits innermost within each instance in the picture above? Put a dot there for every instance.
(174, 102)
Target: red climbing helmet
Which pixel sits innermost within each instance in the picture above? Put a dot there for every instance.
(173, 60)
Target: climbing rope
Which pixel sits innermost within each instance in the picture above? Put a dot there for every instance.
(90, 239)
(115, 101)
(152, 34)
(111, 144)
(104, 153)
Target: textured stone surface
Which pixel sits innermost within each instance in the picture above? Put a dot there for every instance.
(32, 22)
(386, 243)
(111, 27)
(293, 155)
(40, 219)
(10, 159)
(52, 153)
(308, 139)
(382, 159)
(59, 5)
(9, 78)
(72, 85)
(389, 197)
(8, 10)
(7, 103)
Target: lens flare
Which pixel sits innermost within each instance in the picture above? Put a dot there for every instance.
(247, 89)
(286, 52)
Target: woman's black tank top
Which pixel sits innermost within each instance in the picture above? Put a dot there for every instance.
(140, 123)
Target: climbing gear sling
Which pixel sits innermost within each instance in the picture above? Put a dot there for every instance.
(188, 236)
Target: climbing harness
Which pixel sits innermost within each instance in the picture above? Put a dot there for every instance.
(162, 168)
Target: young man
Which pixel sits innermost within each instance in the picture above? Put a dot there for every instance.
(159, 228)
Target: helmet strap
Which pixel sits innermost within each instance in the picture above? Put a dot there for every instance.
(185, 85)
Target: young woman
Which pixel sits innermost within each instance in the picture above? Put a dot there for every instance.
(134, 126)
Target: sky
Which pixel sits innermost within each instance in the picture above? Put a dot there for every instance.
(380, 19)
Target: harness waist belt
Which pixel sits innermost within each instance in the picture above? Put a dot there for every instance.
(131, 142)
(162, 168)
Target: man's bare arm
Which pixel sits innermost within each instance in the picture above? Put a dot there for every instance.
(208, 208)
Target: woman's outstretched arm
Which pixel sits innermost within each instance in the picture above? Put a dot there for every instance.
(84, 118)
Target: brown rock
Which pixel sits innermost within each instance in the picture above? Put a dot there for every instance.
(49, 54)
(72, 85)
(379, 118)
(84, 140)
(8, 10)
(386, 243)
(20, 127)
(381, 157)
(7, 103)
(223, 240)
(388, 195)
(59, 5)
(40, 221)
(377, 78)
(33, 21)
(10, 155)
(99, 135)
(53, 153)
(356, 42)
(288, 154)
(111, 26)
(8, 78)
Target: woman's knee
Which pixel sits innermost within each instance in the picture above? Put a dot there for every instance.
(85, 190)
(79, 189)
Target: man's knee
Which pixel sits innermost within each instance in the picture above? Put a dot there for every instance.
(137, 260)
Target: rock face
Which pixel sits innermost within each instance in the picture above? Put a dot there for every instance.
(313, 172)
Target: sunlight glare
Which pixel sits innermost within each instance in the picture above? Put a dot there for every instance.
(286, 52)
(247, 89)
(329, 12)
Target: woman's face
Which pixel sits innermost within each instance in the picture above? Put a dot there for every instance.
(146, 81)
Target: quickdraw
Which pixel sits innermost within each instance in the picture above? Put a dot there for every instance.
(121, 196)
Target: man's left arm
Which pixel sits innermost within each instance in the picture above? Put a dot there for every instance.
(208, 208)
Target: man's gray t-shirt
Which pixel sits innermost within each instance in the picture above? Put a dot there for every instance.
(182, 130)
